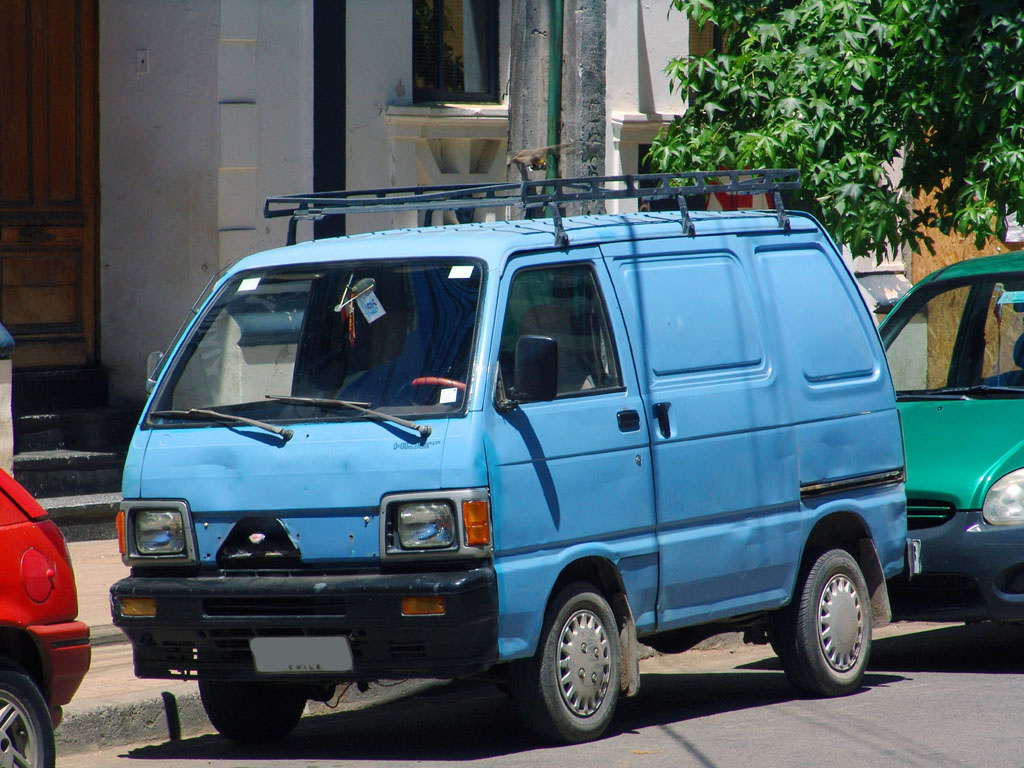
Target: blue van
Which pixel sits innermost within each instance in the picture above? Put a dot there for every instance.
(515, 448)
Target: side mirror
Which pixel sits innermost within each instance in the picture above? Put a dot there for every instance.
(536, 369)
(153, 362)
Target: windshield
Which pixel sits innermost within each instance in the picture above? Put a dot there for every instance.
(391, 336)
(964, 339)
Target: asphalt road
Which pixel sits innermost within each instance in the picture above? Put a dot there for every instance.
(947, 696)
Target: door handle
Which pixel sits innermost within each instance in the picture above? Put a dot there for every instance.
(629, 420)
(661, 414)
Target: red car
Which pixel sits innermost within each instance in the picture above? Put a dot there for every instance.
(44, 652)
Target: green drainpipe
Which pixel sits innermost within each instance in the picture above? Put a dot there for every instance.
(555, 9)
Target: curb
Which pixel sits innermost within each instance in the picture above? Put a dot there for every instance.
(105, 634)
(169, 717)
(173, 716)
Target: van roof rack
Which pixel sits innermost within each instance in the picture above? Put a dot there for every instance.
(538, 193)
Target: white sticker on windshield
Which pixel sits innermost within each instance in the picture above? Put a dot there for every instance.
(249, 284)
(460, 272)
(1012, 297)
(448, 395)
(370, 306)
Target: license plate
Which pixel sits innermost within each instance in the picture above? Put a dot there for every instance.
(301, 655)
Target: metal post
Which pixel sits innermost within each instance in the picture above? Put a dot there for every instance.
(554, 84)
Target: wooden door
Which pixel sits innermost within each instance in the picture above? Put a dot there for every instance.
(48, 180)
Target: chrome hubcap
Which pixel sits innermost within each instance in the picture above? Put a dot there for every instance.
(18, 743)
(584, 665)
(840, 623)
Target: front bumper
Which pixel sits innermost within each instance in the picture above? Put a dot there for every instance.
(203, 624)
(970, 571)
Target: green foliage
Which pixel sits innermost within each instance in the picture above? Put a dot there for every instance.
(841, 88)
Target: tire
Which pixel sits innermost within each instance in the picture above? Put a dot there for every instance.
(247, 711)
(824, 636)
(26, 731)
(567, 692)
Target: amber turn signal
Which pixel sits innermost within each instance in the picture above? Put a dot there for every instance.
(137, 606)
(120, 532)
(426, 605)
(477, 522)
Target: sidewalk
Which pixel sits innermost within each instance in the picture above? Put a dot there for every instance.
(112, 706)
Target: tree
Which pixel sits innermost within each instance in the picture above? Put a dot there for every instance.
(840, 89)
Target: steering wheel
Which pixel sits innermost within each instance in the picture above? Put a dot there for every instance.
(437, 381)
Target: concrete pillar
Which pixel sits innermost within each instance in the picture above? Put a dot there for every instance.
(528, 85)
(584, 95)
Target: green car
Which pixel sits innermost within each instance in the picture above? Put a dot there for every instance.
(955, 345)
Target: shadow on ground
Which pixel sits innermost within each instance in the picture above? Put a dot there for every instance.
(456, 722)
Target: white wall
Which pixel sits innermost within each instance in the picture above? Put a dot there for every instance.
(642, 36)
(158, 161)
(378, 64)
(205, 109)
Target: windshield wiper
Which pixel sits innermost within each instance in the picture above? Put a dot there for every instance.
(947, 393)
(994, 390)
(208, 413)
(961, 393)
(326, 402)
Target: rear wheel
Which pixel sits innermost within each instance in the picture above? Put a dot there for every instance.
(252, 711)
(26, 731)
(824, 636)
(568, 691)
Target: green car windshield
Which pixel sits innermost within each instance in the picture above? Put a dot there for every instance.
(391, 335)
(959, 338)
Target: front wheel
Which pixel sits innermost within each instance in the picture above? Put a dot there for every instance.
(26, 731)
(568, 691)
(824, 636)
(248, 711)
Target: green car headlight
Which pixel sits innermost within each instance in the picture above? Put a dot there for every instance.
(1004, 502)
(425, 525)
(159, 532)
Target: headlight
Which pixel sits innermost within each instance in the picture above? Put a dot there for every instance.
(159, 532)
(451, 524)
(425, 525)
(1004, 502)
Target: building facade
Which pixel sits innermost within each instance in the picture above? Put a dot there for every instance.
(141, 137)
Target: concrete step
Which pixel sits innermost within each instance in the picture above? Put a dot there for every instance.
(88, 517)
(46, 391)
(46, 474)
(86, 429)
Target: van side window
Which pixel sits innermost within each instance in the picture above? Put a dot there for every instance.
(565, 304)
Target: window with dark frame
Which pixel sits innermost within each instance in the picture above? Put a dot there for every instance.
(563, 302)
(455, 50)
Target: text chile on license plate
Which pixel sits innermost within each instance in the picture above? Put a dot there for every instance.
(301, 654)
